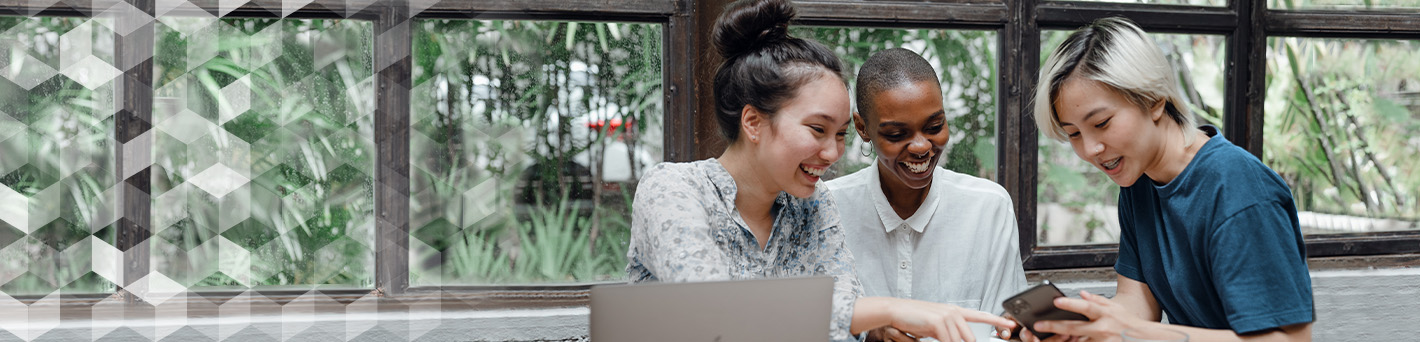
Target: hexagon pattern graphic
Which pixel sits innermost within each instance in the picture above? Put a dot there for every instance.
(260, 162)
(257, 161)
(263, 158)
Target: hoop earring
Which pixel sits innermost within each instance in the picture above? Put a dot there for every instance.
(864, 149)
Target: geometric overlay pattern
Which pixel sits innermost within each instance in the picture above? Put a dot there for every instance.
(57, 190)
(257, 163)
(260, 153)
(263, 153)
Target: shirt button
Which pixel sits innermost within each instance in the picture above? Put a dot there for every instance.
(904, 265)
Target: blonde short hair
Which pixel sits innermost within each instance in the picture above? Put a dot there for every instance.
(1116, 53)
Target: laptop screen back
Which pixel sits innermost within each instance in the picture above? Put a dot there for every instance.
(791, 309)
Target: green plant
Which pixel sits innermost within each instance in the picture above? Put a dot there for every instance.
(476, 256)
(553, 244)
(1340, 136)
(506, 103)
(57, 153)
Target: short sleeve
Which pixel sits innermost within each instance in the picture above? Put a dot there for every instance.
(1259, 268)
(1128, 263)
(671, 235)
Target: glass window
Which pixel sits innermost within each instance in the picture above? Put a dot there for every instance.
(1169, 2)
(57, 188)
(264, 152)
(966, 66)
(1343, 4)
(1342, 117)
(528, 139)
(1077, 203)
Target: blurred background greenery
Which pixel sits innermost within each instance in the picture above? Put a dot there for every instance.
(528, 138)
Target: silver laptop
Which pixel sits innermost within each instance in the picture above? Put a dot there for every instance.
(791, 309)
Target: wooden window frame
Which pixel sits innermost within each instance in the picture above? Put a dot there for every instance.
(686, 27)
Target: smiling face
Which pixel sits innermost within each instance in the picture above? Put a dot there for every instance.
(908, 128)
(1108, 131)
(806, 135)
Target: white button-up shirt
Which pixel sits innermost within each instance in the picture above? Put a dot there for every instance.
(960, 247)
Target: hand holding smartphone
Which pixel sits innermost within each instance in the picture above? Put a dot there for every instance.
(1038, 304)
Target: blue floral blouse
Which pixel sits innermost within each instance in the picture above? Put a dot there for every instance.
(685, 227)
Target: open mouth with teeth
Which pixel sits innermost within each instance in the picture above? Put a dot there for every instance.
(1112, 164)
(918, 167)
(922, 166)
(812, 172)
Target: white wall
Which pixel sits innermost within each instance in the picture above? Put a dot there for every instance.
(1351, 305)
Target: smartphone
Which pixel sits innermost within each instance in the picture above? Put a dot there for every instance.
(1038, 304)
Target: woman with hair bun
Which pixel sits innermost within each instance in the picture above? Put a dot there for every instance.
(759, 211)
(1208, 234)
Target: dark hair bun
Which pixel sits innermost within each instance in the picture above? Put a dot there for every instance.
(748, 25)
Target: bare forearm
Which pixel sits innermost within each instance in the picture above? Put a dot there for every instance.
(870, 313)
(1139, 306)
(1138, 299)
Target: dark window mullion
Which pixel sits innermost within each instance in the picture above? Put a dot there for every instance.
(392, 82)
(913, 15)
(1343, 24)
(1245, 76)
(1077, 256)
(133, 54)
(708, 142)
(1016, 132)
(1152, 18)
(576, 10)
(678, 77)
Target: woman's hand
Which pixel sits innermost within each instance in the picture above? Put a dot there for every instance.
(1107, 320)
(944, 322)
(1007, 334)
(889, 334)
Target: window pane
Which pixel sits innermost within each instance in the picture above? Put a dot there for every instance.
(528, 139)
(1341, 126)
(1168, 2)
(1076, 202)
(57, 188)
(966, 65)
(1343, 4)
(264, 154)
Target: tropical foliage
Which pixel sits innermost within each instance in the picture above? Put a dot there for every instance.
(528, 137)
(1342, 119)
(263, 137)
(513, 125)
(57, 193)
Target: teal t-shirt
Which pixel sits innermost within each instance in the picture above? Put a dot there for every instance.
(1219, 246)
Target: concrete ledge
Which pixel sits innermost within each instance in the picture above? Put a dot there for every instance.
(556, 324)
(1351, 305)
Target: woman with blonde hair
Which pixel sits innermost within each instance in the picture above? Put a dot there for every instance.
(1208, 234)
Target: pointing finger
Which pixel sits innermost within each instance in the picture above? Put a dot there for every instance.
(982, 317)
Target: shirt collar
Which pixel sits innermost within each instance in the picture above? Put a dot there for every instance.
(918, 221)
(724, 182)
(726, 187)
